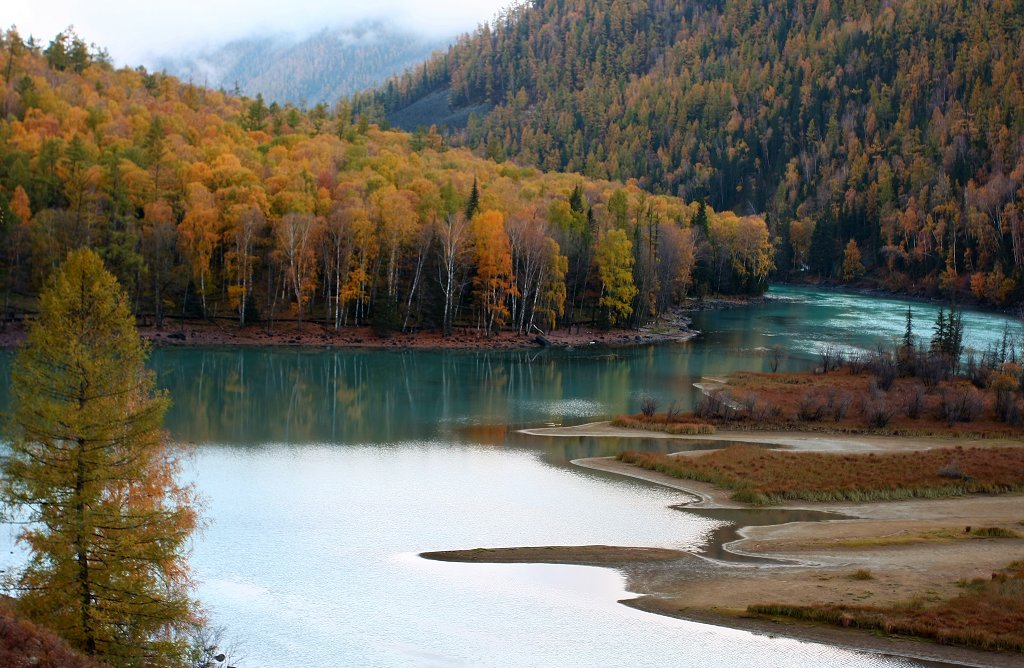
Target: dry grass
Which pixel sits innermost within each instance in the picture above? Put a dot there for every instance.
(658, 423)
(844, 402)
(761, 476)
(989, 614)
(787, 390)
(938, 536)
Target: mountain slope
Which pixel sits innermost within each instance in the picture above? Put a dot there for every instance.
(324, 67)
(893, 123)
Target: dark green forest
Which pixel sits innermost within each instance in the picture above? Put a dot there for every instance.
(896, 124)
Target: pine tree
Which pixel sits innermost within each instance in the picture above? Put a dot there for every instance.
(940, 335)
(908, 334)
(473, 206)
(700, 219)
(90, 473)
(906, 351)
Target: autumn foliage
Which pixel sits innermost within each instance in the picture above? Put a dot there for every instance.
(93, 481)
(207, 205)
(895, 124)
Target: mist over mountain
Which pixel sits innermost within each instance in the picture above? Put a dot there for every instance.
(323, 67)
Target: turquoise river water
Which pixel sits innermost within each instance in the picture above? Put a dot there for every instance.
(326, 472)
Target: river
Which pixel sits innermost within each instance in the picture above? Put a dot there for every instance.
(325, 472)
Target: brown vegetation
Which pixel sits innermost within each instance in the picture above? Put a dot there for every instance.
(762, 476)
(854, 402)
(989, 614)
(688, 427)
(23, 644)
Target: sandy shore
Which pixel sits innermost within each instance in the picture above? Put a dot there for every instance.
(911, 548)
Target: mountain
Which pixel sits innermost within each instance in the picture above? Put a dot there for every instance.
(324, 67)
(894, 124)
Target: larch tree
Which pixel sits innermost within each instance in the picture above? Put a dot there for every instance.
(494, 280)
(92, 478)
(853, 267)
(614, 260)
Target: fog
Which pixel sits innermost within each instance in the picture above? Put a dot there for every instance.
(138, 33)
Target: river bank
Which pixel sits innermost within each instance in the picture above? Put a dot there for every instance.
(207, 333)
(890, 552)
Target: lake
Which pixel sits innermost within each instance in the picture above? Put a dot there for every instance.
(326, 472)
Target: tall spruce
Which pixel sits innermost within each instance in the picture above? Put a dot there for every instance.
(908, 333)
(473, 206)
(91, 475)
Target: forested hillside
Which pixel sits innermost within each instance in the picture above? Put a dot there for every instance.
(897, 125)
(209, 205)
(318, 69)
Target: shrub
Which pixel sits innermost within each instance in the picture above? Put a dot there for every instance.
(862, 574)
(994, 532)
(878, 413)
(915, 402)
(839, 405)
(766, 411)
(979, 372)
(1004, 385)
(930, 368)
(828, 355)
(716, 405)
(810, 409)
(648, 405)
(952, 471)
(886, 372)
(965, 405)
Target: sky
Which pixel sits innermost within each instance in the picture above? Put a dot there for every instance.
(136, 32)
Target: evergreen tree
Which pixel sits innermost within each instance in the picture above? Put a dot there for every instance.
(700, 219)
(905, 355)
(822, 248)
(473, 206)
(90, 473)
(908, 333)
(939, 337)
(577, 202)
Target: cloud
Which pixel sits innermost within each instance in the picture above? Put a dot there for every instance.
(137, 32)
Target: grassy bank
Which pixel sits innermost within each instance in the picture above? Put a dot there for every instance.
(852, 401)
(762, 477)
(989, 614)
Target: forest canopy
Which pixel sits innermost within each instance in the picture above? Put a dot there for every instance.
(896, 124)
(205, 204)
